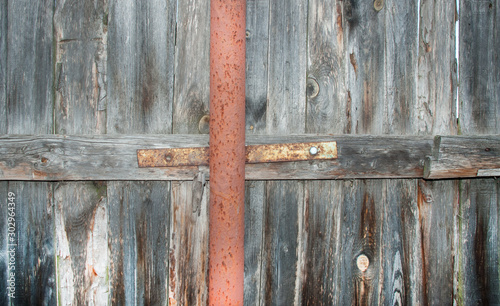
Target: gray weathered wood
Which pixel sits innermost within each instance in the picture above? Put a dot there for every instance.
(3, 130)
(434, 113)
(58, 157)
(192, 73)
(463, 157)
(285, 114)
(141, 40)
(29, 105)
(380, 44)
(188, 239)
(257, 47)
(80, 107)
(327, 112)
(479, 96)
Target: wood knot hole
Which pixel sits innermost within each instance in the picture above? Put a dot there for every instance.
(362, 262)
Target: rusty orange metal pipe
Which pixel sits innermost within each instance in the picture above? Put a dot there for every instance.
(227, 152)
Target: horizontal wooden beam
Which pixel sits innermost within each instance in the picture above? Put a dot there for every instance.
(114, 157)
(466, 156)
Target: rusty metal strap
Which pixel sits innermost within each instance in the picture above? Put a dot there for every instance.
(267, 153)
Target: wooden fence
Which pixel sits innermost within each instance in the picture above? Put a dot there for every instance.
(313, 67)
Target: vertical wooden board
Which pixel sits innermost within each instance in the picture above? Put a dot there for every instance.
(479, 247)
(434, 113)
(283, 242)
(81, 242)
(188, 275)
(381, 44)
(479, 94)
(138, 238)
(281, 231)
(188, 244)
(192, 70)
(323, 203)
(364, 33)
(4, 230)
(29, 105)
(479, 69)
(80, 108)
(29, 67)
(257, 47)
(327, 112)
(326, 94)
(254, 244)
(3, 66)
(3, 130)
(287, 67)
(35, 265)
(141, 40)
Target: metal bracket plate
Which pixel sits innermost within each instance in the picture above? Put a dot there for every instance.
(266, 153)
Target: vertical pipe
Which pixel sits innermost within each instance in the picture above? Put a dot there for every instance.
(227, 151)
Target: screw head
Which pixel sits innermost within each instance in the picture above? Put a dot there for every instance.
(313, 150)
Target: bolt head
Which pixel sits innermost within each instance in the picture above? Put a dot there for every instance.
(313, 150)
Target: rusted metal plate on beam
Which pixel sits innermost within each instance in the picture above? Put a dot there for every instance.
(268, 153)
(175, 157)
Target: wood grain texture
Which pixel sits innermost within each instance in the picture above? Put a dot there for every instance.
(4, 229)
(327, 112)
(435, 113)
(257, 48)
(466, 158)
(381, 48)
(80, 108)
(64, 157)
(188, 239)
(29, 105)
(3, 66)
(192, 73)
(285, 114)
(479, 276)
(141, 40)
(188, 254)
(139, 214)
(3, 130)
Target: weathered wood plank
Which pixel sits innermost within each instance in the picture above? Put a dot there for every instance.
(141, 41)
(188, 254)
(188, 240)
(285, 114)
(257, 47)
(29, 98)
(58, 157)
(327, 112)
(479, 96)
(380, 40)
(435, 113)
(4, 260)
(463, 157)
(192, 71)
(3, 66)
(80, 107)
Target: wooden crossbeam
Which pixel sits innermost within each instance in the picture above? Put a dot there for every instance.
(114, 157)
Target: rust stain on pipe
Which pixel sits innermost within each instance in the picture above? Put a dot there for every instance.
(227, 152)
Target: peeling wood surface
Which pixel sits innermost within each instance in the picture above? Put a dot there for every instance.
(479, 93)
(81, 210)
